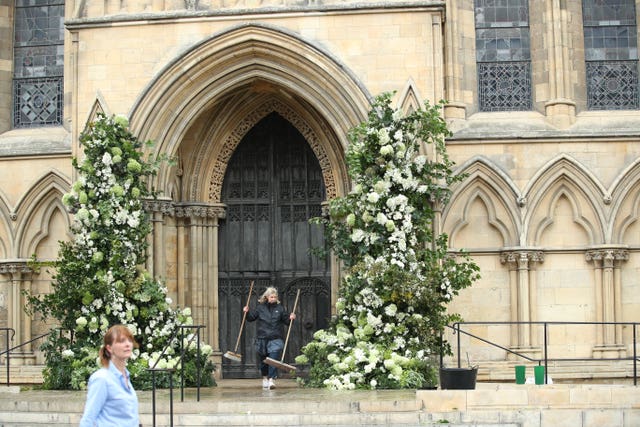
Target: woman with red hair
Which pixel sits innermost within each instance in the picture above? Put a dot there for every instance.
(111, 399)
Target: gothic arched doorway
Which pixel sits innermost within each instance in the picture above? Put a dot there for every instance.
(272, 186)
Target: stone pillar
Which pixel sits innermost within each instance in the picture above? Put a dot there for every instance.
(6, 65)
(608, 294)
(199, 234)
(181, 264)
(560, 109)
(455, 109)
(524, 301)
(437, 61)
(19, 274)
(212, 306)
(156, 258)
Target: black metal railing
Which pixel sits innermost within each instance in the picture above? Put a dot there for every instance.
(457, 330)
(8, 350)
(170, 371)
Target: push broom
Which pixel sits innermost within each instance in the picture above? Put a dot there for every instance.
(234, 355)
(279, 364)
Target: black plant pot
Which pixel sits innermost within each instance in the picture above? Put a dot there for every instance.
(458, 378)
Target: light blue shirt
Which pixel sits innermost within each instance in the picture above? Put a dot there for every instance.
(109, 402)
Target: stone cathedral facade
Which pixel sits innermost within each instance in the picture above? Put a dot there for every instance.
(254, 99)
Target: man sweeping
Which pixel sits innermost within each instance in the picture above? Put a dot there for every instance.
(271, 316)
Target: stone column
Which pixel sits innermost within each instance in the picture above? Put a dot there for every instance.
(6, 67)
(19, 274)
(560, 109)
(181, 264)
(608, 294)
(453, 67)
(437, 57)
(156, 258)
(200, 236)
(524, 301)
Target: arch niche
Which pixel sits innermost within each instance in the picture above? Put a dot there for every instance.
(198, 110)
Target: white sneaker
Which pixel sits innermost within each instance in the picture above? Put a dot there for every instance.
(265, 383)
(272, 384)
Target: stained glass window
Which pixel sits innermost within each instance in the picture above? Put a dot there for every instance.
(611, 54)
(503, 55)
(38, 63)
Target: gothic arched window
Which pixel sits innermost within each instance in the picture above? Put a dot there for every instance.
(611, 54)
(503, 55)
(38, 63)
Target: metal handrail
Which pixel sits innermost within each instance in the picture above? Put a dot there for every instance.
(155, 369)
(458, 331)
(8, 349)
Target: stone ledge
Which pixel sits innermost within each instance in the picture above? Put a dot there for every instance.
(492, 397)
(54, 140)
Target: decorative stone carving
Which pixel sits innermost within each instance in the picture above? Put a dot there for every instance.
(184, 210)
(607, 256)
(13, 267)
(523, 288)
(608, 289)
(199, 211)
(234, 138)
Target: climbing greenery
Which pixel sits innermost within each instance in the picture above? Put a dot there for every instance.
(99, 277)
(400, 275)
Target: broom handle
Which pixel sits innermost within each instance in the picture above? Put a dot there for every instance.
(244, 317)
(284, 349)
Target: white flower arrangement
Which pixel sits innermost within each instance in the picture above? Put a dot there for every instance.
(100, 281)
(381, 230)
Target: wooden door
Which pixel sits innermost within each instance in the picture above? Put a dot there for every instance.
(272, 186)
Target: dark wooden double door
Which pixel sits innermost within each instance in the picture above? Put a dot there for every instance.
(272, 187)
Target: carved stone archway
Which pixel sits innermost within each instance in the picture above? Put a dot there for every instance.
(234, 138)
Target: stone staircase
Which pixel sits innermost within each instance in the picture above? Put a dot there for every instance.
(591, 372)
(243, 403)
(235, 405)
(22, 374)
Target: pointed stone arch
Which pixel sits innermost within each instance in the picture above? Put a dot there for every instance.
(486, 182)
(564, 191)
(564, 177)
(99, 106)
(233, 68)
(409, 98)
(625, 204)
(6, 218)
(479, 194)
(219, 168)
(42, 201)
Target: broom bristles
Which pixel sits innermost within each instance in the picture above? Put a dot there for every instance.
(279, 365)
(233, 356)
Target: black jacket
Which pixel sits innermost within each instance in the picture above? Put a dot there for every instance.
(270, 318)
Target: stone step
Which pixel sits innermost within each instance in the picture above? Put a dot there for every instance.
(241, 403)
(237, 403)
(22, 374)
(261, 420)
(594, 371)
(590, 371)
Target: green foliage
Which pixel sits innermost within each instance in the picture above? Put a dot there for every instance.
(99, 277)
(392, 305)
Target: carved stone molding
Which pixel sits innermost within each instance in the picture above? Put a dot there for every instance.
(607, 256)
(199, 211)
(521, 259)
(164, 206)
(13, 267)
(234, 138)
(185, 210)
